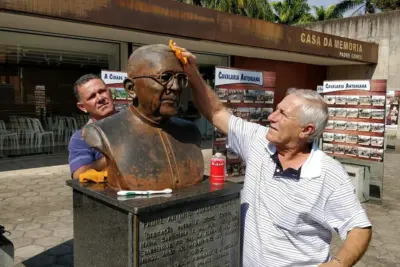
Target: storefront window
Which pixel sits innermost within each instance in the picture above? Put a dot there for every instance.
(38, 112)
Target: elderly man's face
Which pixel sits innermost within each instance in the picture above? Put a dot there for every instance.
(285, 127)
(160, 95)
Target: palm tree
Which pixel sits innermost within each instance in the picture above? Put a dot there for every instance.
(259, 9)
(291, 11)
(230, 6)
(221, 5)
(321, 13)
(386, 5)
(363, 6)
(192, 2)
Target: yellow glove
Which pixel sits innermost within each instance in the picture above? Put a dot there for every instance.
(178, 52)
(93, 176)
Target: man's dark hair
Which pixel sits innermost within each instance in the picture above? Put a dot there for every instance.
(81, 81)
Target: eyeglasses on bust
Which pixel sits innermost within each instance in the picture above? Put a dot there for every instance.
(165, 78)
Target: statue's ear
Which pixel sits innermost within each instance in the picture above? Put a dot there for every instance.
(129, 86)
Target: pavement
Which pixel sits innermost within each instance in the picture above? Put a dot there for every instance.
(36, 207)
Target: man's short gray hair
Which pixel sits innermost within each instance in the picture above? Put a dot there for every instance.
(81, 81)
(314, 111)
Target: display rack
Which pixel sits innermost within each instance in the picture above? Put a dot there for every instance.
(247, 94)
(356, 125)
(392, 109)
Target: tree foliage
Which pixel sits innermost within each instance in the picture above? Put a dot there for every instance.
(259, 9)
(291, 11)
(386, 5)
(362, 7)
(321, 13)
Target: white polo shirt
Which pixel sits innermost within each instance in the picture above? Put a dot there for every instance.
(288, 222)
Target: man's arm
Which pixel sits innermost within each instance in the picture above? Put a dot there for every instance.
(344, 213)
(353, 248)
(82, 158)
(205, 99)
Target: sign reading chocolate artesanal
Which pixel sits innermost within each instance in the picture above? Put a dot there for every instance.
(233, 76)
(333, 86)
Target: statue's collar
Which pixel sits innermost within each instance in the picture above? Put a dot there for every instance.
(144, 118)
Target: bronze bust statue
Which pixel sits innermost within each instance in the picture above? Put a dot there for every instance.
(146, 148)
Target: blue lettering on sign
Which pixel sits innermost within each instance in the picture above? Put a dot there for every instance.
(250, 78)
(236, 77)
(228, 76)
(116, 77)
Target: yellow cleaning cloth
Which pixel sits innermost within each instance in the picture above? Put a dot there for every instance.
(93, 176)
(178, 52)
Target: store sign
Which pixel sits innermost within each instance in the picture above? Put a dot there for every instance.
(333, 86)
(347, 48)
(233, 76)
(113, 77)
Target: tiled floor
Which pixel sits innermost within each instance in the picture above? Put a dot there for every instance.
(36, 207)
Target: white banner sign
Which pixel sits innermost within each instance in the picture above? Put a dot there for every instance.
(232, 76)
(333, 86)
(112, 77)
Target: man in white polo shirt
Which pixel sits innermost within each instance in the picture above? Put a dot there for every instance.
(294, 195)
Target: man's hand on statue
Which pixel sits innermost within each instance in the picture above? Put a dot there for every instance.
(191, 66)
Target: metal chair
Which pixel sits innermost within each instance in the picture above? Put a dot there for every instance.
(8, 138)
(43, 139)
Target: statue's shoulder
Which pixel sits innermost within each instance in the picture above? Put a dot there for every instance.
(92, 136)
(96, 133)
(112, 120)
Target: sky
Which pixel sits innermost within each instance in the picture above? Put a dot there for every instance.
(325, 3)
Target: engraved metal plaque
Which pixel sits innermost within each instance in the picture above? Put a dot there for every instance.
(205, 235)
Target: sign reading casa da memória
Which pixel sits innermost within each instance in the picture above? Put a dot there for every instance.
(347, 48)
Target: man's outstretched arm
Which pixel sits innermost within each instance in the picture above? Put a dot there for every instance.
(205, 99)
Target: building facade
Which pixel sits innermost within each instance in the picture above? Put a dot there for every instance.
(46, 45)
(383, 29)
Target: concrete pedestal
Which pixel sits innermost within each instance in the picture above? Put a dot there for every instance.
(194, 226)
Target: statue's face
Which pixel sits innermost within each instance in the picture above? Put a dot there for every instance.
(159, 85)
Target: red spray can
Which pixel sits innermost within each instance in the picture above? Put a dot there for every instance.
(217, 169)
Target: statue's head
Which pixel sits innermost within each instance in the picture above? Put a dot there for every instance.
(155, 81)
